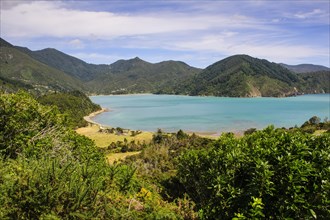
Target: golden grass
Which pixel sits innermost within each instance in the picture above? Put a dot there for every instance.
(319, 132)
(119, 156)
(104, 139)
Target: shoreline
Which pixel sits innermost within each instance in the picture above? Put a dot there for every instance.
(212, 96)
(206, 134)
(89, 118)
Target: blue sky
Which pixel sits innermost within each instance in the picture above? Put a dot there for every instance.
(196, 32)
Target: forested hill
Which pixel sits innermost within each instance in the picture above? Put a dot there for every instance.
(245, 76)
(66, 63)
(305, 68)
(75, 105)
(138, 76)
(19, 69)
(238, 76)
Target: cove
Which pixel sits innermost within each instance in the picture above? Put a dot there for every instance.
(208, 114)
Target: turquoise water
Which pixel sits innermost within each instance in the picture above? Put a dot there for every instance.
(208, 114)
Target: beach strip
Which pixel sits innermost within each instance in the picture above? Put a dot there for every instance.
(89, 118)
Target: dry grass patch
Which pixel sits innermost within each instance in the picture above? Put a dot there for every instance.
(104, 139)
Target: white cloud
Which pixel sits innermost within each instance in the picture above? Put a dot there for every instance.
(98, 58)
(304, 15)
(52, 19)
(195, 29)
(76, 43)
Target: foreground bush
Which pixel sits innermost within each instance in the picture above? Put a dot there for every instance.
(270, 174)
(47, 171)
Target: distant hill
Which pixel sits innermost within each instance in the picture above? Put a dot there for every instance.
(244, 76)
(236, 76)
(316, 82)
(305, 68)
(138, 76)
(19, 68)
(66, 63)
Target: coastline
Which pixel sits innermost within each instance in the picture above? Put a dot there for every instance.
(89, 118)
(206, 134)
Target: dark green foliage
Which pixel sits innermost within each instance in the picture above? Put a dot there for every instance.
(10, 85)
(313, 124)
(244, 76)
(271, 173)
(23, 123)
(316, 82)
(75, 104)
(138, 76)
(250, 131)
(47, 171)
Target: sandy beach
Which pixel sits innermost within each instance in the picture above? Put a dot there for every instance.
(89, 118)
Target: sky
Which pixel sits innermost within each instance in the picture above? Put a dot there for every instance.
(197, 32)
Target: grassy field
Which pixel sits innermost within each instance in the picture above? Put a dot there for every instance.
(104, 139)
(119, 156)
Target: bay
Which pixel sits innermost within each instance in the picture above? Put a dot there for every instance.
(208, 114)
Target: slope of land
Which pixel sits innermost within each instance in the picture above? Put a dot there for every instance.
(244, 76)
(138, 76)
(236, 76)
(305, 68)
(21, 68)
(66, 63)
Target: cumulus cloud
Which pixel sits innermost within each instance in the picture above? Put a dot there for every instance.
(52, 19)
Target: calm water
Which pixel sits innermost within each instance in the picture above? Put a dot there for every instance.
(208, 114)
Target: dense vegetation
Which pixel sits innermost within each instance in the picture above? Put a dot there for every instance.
(238, 76)
(244, 76)
(138, 76)
(49, 172)
(317, 81)
(74, 104)
(272, 174)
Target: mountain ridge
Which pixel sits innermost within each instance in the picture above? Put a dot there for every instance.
(305, 68)
(239, 75)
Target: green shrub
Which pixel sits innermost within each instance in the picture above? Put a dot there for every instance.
(288, 172)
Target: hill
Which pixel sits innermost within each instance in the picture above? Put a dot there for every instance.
(244, 76)
(235, 76)
(66, 63)
(123, 76)
(316, 82)
(305, 68)
(138, 76)
(20, 68)
(74, 104)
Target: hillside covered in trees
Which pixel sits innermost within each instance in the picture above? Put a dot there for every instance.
(48, 171)
(74, 104)
(235, 76)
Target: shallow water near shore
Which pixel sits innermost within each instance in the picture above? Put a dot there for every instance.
(208, 114)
